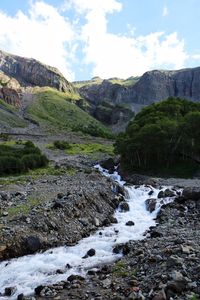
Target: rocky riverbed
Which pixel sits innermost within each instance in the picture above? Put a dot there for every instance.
(53, 211)
(50, 211)
(165, 265)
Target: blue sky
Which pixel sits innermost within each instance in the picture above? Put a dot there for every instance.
(106, 38)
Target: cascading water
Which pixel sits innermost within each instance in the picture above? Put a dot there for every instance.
(27, 272)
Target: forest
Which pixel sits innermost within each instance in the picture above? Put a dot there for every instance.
(163, 138)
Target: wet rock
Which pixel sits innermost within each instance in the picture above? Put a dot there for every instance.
(151, 204)
(113, 220)
(130, 223)
(109, 164)
(150, 193)
(20, 297)
(91, 252)
(124, 206)
(72, 278)
(38, 290)
(9, 291)
(33, 244)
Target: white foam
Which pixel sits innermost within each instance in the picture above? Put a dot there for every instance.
(26, 273)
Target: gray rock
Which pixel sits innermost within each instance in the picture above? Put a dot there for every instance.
(151, 204)
(124, 206)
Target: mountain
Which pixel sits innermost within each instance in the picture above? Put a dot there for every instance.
(153, 86)
(37, 99)
(30, 72)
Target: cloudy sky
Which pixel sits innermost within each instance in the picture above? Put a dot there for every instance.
(106, 38)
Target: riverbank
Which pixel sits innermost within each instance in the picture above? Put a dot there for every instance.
(163, 266)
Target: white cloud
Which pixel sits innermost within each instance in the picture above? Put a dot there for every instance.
(124, 56)
(45, 34)
(165, 11)
(42, 34)
(196, 56)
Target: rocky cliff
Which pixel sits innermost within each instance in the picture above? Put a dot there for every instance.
(30, 72)
(153, 86)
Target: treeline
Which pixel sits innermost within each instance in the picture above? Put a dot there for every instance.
(162, 135)
(19, 158)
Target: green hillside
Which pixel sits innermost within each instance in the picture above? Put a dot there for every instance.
(56, 111)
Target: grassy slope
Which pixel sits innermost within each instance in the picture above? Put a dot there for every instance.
(56, 112)
(123, 82)
(8, 116)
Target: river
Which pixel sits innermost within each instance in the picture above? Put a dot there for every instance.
(27, 272)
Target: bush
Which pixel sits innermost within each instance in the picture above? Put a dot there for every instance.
(62, 145)
(19, 158)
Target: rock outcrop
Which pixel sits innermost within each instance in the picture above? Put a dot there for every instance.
(152, 87)
(157, 85)
(30, 72)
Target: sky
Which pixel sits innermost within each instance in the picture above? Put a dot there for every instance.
(105, 38)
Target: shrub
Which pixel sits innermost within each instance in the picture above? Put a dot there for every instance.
(62, 145)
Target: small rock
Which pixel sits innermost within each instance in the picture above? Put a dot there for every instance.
(91, 252)
(20, 297)
(96, 222)
(175, 275)
(9, 291)
(124, 206)
(130, 223)
(5, 213)
(160, 296)
(75, 277)
(151, 204)
(38, 290)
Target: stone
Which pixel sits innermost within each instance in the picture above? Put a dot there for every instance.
(91, 252)
(5, 214)
(176, 275)
(96, 222)
(130, 223)
(33, 244)
(20, 297)
(75, 277)
(124, 206)
(38, 290)
(9, 291)
(160, 296)
(151, 204)
(192, 193)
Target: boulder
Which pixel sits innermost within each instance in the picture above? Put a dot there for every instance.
(124, 206)
(151, 204)
(192, 193)
(33, 244)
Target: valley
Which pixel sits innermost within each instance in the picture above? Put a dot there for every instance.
(70, 230)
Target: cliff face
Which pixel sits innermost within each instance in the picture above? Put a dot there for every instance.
(158, 85)
(30, 72)
(153, 86)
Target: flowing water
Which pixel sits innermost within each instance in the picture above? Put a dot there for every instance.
(27, 272)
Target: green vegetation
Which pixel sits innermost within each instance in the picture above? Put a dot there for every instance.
(164, 138)
(90, 149)
(56, 112)
(23, 208)
(96, 81)
(9, 117)
(18, 158)
(121, 269)
(62, 145)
